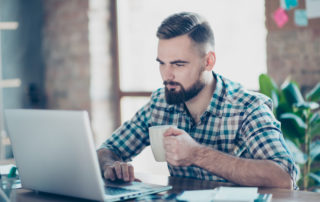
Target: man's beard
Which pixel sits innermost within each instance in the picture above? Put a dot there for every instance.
(183, 95)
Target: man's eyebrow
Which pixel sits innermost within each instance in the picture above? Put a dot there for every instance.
(179, 61)
(158, 60)
(173, 62)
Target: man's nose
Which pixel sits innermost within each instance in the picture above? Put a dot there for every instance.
(168, 73)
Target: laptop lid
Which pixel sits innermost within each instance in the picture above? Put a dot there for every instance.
(55, 153)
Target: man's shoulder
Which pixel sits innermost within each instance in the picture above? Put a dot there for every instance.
(238, 96)
(158, 95)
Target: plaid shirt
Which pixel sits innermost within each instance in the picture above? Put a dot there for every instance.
(236, 122)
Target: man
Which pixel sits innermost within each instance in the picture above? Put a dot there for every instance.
(225, 133)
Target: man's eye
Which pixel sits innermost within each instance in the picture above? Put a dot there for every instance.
(179, 64)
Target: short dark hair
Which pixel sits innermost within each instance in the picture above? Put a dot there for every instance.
(197, 28)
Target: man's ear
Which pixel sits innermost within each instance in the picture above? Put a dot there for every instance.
(210, 60)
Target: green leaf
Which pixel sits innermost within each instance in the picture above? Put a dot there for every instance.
(315, 177)
(293, 127)
(267, 85)
(306, 105)
(275, 99)
(315, 129)
(314, 149)
(314, 124)
(295, 118)
(314, 94)
(314, 118)
(282, 108)
(292, 93)
(298, 155)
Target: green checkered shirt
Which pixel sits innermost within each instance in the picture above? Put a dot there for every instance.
(237, 122)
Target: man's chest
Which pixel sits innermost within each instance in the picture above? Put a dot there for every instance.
(219, 132)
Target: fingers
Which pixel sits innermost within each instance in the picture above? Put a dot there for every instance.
(117, 168)
(125, 172)
(109, 173)
(131, 173)
(173, 132)
(169, 141)
(119, 171)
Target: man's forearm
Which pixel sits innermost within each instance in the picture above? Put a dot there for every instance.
(107, 157)
(247, 172)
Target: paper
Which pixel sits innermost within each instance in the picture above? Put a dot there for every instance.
(198, 195)
(313, 8)
(288, 4)
(5, 169)
(280, 17)
(221, 194)
(300, 17)
(239, 194)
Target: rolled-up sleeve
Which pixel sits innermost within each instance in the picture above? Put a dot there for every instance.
(262, 135)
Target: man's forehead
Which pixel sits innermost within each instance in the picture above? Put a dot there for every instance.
(176, 48)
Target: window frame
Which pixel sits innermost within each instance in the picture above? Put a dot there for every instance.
(116, 73)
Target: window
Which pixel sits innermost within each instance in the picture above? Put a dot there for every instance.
(240, 34)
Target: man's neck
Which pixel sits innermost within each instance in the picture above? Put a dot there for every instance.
(198, 105)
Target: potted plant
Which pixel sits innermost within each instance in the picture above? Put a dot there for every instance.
(300, 124)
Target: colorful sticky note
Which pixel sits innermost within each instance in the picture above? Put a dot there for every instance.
(283, 4)
(280, 17)
(300, 17)
(288, 4)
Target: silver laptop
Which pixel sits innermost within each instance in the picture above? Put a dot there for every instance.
(54, 152)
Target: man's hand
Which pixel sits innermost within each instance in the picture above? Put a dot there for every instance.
(180, 147)
(119, 171)
(113, 167)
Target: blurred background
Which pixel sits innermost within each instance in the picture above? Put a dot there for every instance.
(99, 55)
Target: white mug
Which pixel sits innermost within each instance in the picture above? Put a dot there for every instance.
(156, 141)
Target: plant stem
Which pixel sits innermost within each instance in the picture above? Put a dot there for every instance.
(306, 167)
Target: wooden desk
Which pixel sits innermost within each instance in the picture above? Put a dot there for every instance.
(179, 184)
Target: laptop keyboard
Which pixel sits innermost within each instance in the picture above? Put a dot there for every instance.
(117, 190)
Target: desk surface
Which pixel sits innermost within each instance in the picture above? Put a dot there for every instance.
(179, 184)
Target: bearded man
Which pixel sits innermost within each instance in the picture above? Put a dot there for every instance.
(224, 132)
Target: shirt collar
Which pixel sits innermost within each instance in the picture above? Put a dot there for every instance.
(216, 104)
(218, 98)
(177, 108)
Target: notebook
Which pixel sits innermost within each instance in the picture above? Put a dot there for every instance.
(54, 152)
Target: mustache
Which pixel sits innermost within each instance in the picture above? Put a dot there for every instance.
(171, 83)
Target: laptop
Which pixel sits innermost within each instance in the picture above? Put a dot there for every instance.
(55, 153)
